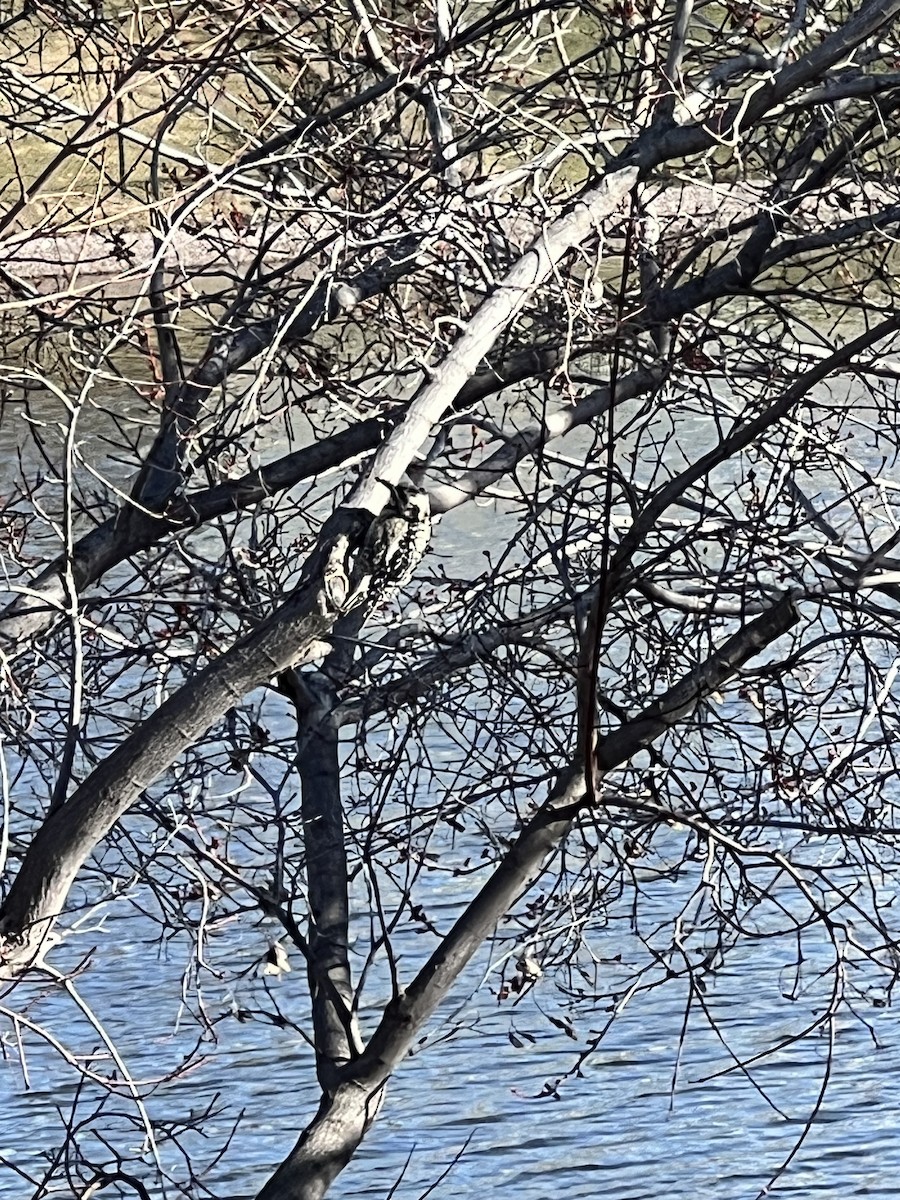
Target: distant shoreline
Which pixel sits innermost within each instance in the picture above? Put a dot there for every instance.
(60, 262)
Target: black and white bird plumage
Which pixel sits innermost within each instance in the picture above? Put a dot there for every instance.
(394, 544)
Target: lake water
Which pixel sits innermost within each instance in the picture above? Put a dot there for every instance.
(497, 1100)
(620, 1129)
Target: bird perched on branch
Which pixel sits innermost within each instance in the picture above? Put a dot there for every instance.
(394, 544)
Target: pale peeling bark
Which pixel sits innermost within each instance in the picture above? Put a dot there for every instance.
(154, 511)
(354, 1077)
(492, 317)
(291, 635)
(294, 633)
